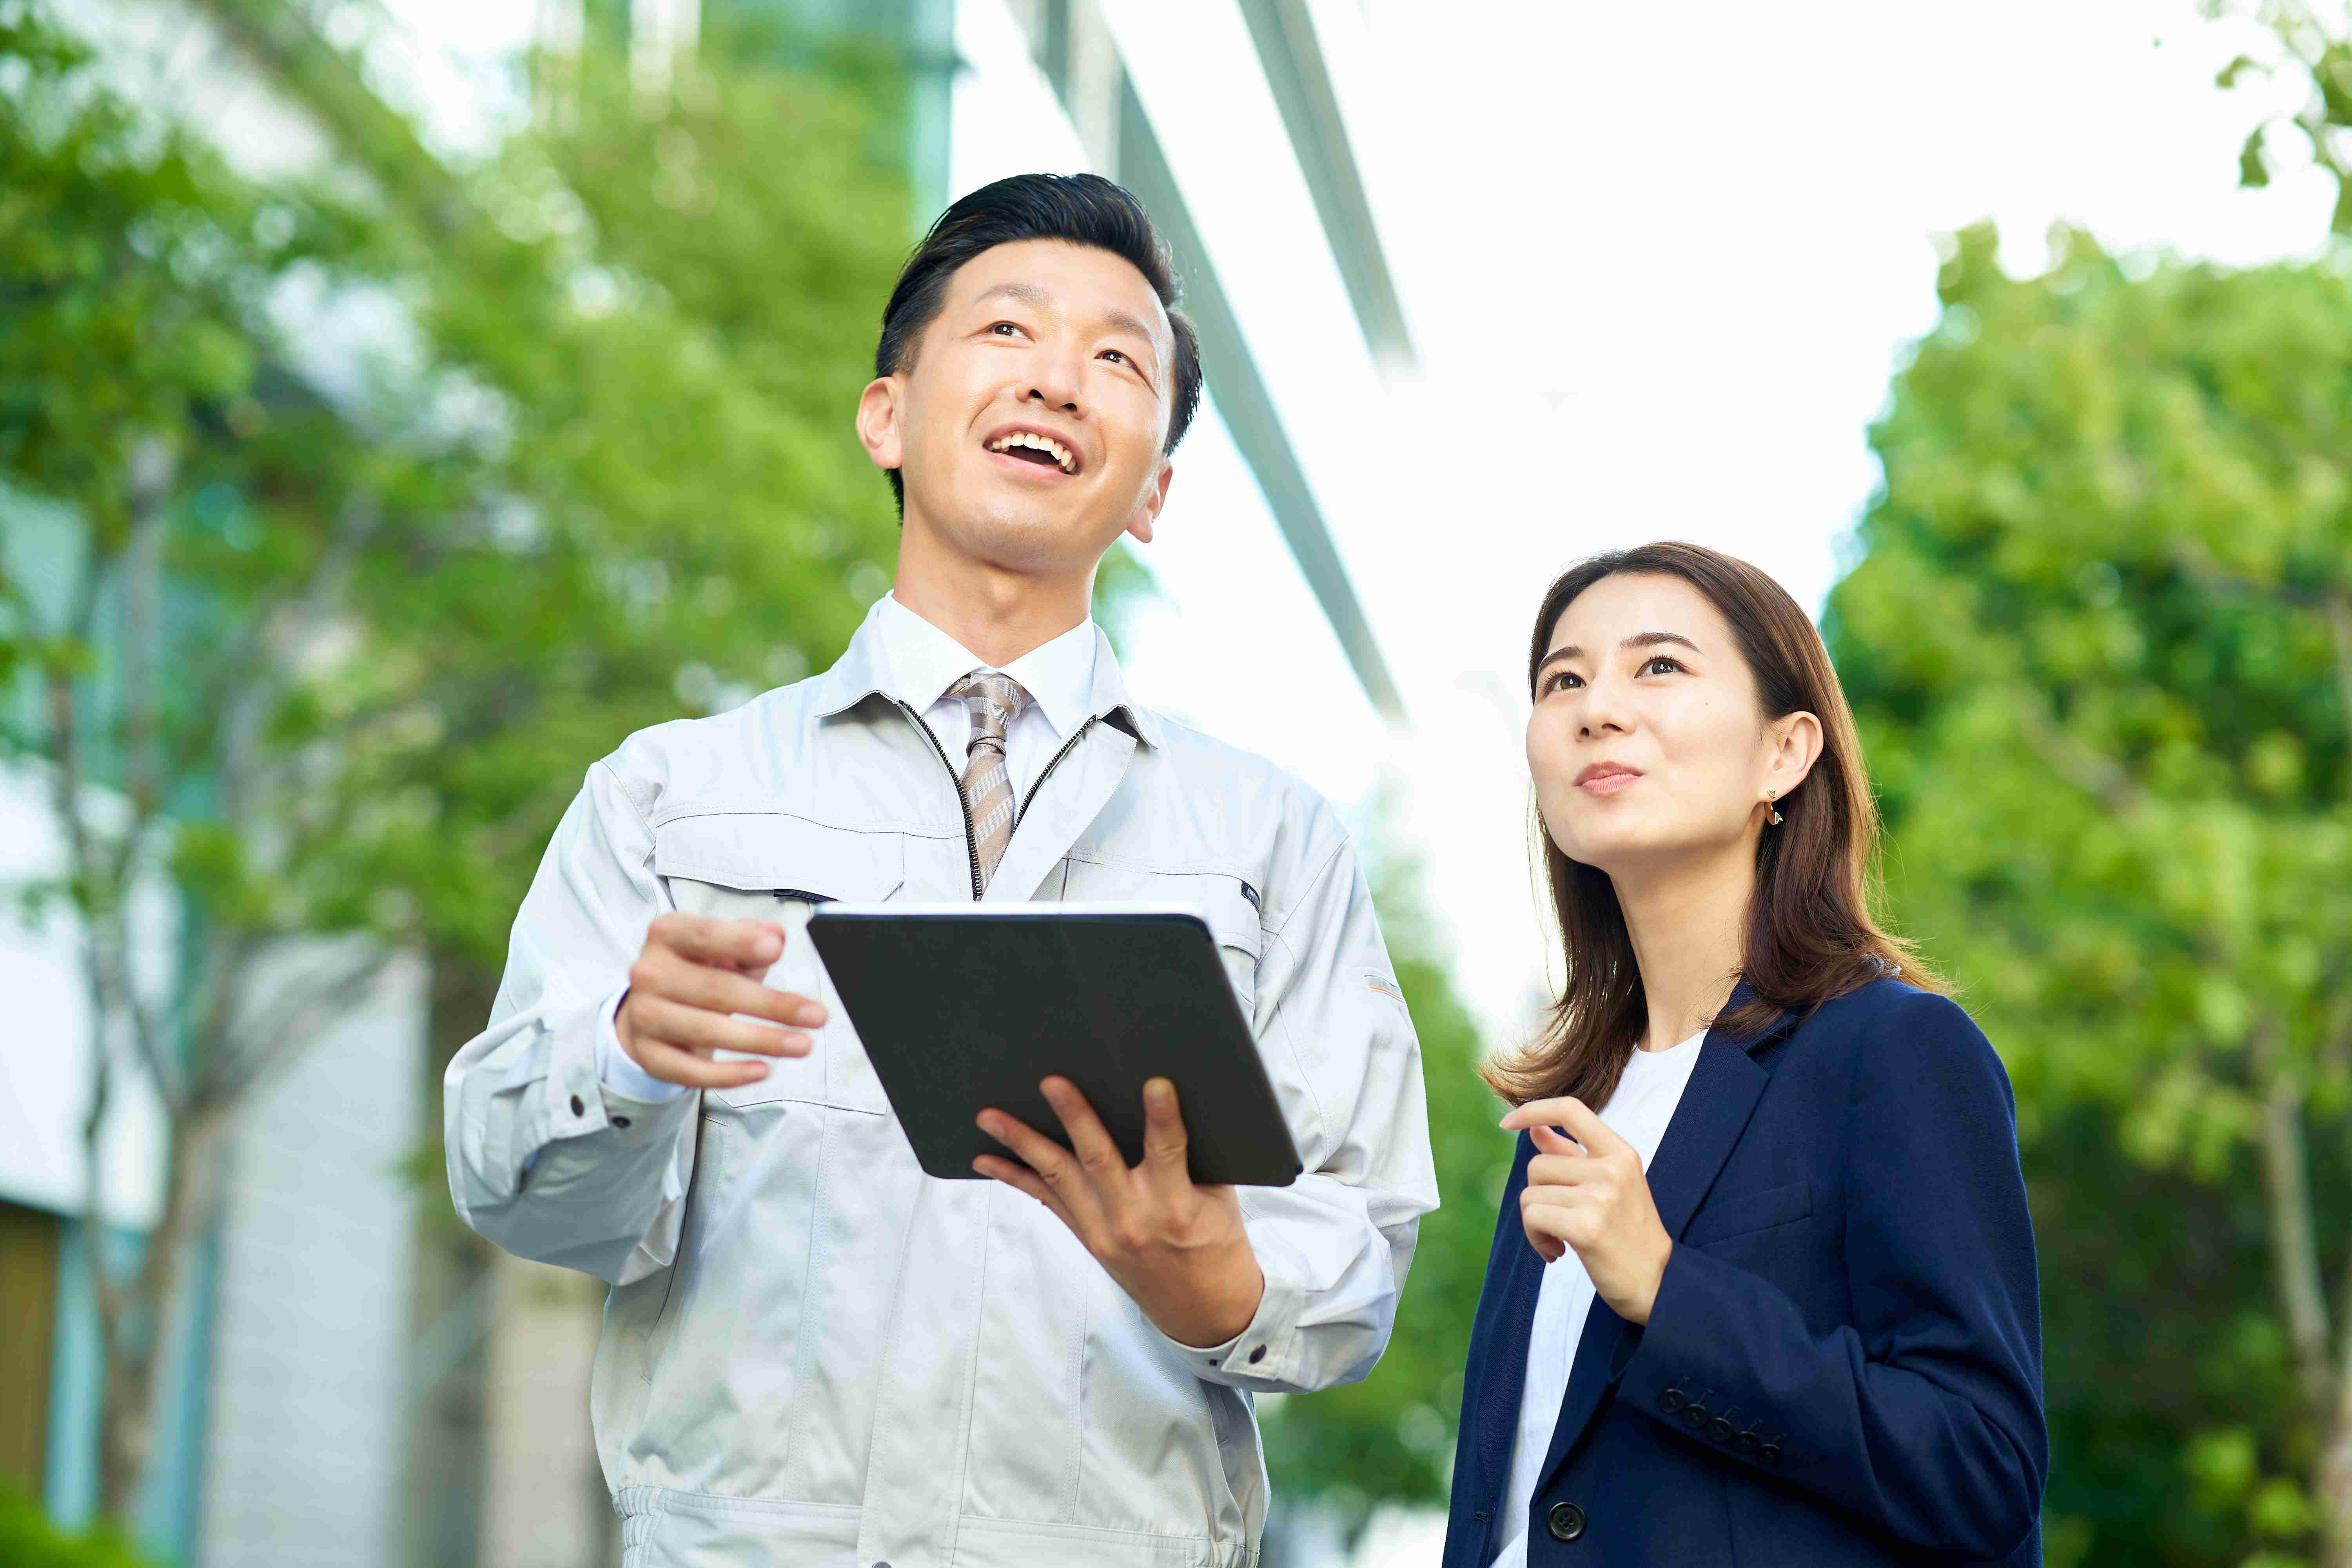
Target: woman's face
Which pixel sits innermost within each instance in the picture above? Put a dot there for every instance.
(1647, 743)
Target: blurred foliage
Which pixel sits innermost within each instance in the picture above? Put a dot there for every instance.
(27, 1540)
(2310, 48)
(351, 516)
(2099, 640)
(1389, 1439)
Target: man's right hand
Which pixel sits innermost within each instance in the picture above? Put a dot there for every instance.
(695, 974)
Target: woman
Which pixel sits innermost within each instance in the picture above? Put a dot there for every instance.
(1774, 1302)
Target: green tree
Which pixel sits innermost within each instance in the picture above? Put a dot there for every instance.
(327, 653)
(2100, 643)
(1390, 1439)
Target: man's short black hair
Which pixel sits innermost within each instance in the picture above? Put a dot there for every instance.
(1084, 209)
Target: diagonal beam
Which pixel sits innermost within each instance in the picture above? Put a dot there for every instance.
(1283, 34)
(1248, 407)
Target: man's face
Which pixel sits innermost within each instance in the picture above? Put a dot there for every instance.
(1028, 429)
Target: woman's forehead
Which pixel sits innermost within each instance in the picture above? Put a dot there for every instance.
(1608, 612)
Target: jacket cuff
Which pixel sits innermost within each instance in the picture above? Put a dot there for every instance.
(1266, 1353)
(1674, 1371)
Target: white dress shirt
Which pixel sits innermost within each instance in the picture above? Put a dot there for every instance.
(920, 662)
(1638, 1112)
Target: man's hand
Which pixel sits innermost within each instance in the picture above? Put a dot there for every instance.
(1179, 1250)
(695, 972)
(1594, 1198)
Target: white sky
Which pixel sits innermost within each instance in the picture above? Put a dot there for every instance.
(1659, 263)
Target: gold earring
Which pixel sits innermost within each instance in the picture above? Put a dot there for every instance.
(1769, 796)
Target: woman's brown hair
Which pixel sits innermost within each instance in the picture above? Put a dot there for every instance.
(1811, 935)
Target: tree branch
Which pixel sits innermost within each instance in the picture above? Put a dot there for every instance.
(2294, 1245)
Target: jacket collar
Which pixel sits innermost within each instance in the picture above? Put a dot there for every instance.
(862, 672)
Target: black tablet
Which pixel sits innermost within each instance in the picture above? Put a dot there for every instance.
(964, 1007)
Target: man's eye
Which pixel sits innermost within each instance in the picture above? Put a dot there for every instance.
(1115, 355)
(1004, 328)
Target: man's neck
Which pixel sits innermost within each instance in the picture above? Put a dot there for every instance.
(998, 613)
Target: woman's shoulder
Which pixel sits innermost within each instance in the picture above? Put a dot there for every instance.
(1891, 1026)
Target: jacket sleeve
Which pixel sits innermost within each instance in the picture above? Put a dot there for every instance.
(545, 1159)
(1336, 1244)
(1924, 1414)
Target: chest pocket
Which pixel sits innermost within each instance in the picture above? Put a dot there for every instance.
(1225, 901)
(770, 866)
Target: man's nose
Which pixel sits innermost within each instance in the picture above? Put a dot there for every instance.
(1055, 383)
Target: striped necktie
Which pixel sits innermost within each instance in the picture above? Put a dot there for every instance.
(995, 702)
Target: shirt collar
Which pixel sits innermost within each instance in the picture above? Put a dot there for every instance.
(923, 662)
(1073, 678)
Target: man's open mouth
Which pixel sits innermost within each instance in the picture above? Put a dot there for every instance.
(1035, 446)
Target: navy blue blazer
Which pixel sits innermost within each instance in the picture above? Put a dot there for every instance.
(1843, 1364)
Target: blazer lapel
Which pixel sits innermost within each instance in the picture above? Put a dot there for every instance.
(1725, 1084)
(1515, 1278)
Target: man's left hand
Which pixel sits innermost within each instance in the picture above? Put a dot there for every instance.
(1178, 1250)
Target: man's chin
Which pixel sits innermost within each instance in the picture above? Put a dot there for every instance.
(1003, 533)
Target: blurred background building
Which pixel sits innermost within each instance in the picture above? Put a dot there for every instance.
(400, 401)
(342, 1389)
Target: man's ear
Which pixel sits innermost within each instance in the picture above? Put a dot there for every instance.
(1147, 510)
(878, 422)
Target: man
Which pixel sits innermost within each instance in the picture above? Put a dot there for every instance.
(812, 1353)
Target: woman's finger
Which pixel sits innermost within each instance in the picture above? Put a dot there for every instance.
(1551, 1142)
(1542, 1113)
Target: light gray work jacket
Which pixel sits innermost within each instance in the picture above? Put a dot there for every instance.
(813, 1353)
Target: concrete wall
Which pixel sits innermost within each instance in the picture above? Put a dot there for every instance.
(311, 1318)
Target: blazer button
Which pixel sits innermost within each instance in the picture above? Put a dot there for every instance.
(1719, 1430)
(1566, 1521)
(1672, 1400)
(1771, 1452)
(1696, 1416)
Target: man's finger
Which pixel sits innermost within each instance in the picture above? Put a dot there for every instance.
(727, 943)
(1014, 1174)
(717, 991)
(1164, 1139)
(1076, 1200)
(672, 1065)
(699, 1029)
(1088, 1139)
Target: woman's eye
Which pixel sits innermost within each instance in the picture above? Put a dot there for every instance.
(1561, 679)
(1661, 665)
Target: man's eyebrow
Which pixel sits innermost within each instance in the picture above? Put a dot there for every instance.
(1639, 640)
(1042, 299)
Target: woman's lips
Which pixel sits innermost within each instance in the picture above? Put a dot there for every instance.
(1608, 783)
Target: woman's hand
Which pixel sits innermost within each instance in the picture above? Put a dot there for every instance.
(1590, 1194)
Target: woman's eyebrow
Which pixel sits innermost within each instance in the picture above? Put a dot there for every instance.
(1639, 640)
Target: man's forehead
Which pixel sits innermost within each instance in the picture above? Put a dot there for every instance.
(1075, 280)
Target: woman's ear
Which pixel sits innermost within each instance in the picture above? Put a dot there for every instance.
(1796, 742)
(878, 422)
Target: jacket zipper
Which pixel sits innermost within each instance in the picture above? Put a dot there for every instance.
(964, 802)
(1039, 783)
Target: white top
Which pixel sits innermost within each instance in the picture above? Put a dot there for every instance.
(918, 663)
(1637, 1112)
